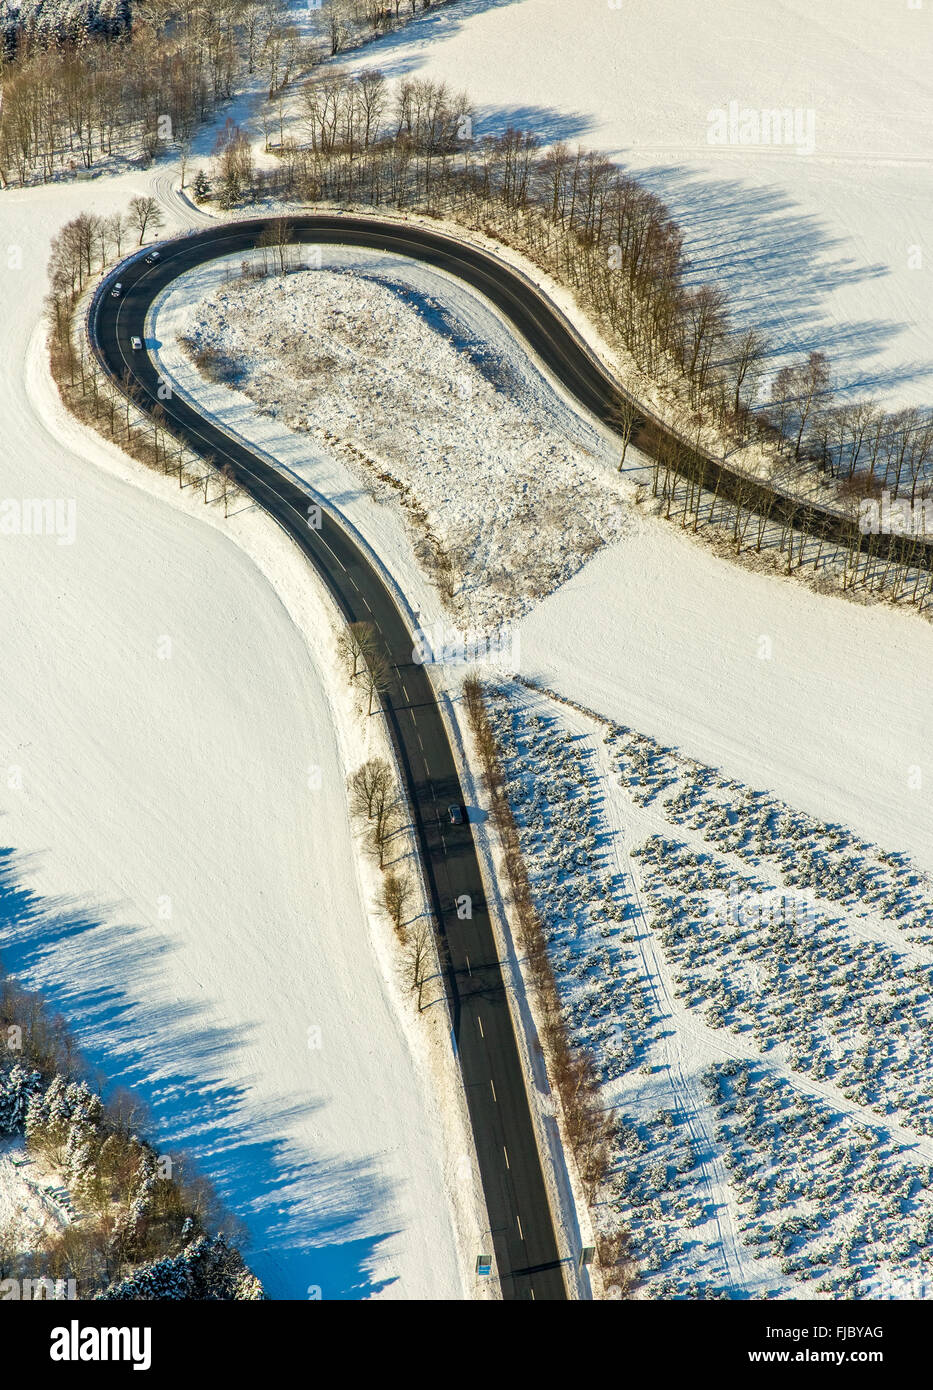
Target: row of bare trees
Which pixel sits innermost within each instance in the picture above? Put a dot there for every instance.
(588, 1125)
(89, 242)
(68, 104)
(347, 23)
(613, 241)
(751, 517)
(378, 812)
(83, 246)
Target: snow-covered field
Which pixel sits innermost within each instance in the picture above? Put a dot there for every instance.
(174, 755)
(755, 986)
(820, 250)
(815, 704)
(166, 714)
(819, 700)
(371, 357)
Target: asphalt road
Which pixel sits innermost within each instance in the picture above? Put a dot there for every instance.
(529, 1257)
(560, 347)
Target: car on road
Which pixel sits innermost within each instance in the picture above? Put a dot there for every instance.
(456, 814)
(117, 290)
(136, 344)
(153, 256)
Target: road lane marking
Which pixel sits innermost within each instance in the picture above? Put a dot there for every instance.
(270, 487)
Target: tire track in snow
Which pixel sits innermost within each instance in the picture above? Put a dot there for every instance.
(736, 1264)
(743, 1269)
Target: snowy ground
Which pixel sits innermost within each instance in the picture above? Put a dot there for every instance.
(482, 455)
(32, 1199)
(755, 986)
(819, 250)
(160, 718)
(821, 701)
(804, 698)
(655, 630)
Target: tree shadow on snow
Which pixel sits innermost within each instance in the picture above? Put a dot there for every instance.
(434, 26)
(304, 1214)
(778, 266)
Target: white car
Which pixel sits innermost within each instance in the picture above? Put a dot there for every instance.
(153, 256)
(136, 344)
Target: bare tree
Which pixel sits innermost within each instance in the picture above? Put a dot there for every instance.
(13, 1242)
(228, 485)
(184, 152)
(376, 677)
(116, 226)
(374, 802)
(366, 784)
(622, 416)
(396, 896)
(130, 394)
(417, 962)
(704, 321)
(802, 389)
(335, 22)
(278, 236)
(354, 644)
(386, 816)
(749, 350)
(371, 103)
(142, 214)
